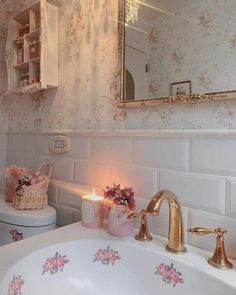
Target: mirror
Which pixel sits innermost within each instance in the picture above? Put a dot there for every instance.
(177, 51)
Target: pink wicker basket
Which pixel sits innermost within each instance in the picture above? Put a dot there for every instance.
(34, 196)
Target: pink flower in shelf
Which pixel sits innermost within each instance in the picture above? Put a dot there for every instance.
(169, 274)
(107, 256)
(14, 287)
(55, 264)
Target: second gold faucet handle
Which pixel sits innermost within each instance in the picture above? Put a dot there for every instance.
(219, 258)
(205, 231)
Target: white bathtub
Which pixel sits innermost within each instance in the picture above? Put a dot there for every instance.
(96, 263)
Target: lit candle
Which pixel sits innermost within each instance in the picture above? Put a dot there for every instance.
(92, 210)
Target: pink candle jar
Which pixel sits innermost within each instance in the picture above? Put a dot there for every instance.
(92, 211)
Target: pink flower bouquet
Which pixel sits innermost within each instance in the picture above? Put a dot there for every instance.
(15, 171)
(120, 196)
(118, 205)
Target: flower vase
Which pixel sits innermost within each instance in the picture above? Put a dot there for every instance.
(118, 224)
(11, 182)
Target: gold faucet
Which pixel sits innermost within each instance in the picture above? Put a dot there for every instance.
(176, 231)
(219, 258)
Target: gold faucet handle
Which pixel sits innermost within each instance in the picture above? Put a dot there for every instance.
(143, 234)
(201, 231)
(219, 258)
(135, 215)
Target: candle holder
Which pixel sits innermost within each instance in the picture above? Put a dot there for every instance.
(92, 211)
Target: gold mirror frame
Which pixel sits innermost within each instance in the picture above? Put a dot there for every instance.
(146, 102)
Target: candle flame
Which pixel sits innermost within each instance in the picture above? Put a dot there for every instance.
(93, 197)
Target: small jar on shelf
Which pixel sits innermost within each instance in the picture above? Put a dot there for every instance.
(24, 80)
(34, 49)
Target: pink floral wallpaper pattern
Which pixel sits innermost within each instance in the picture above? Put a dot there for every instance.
(3, 81)
(89, 78)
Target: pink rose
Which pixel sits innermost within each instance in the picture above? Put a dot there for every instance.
(49, 264)
(60, 262)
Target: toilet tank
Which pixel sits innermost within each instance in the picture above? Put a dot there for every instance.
(16, 225)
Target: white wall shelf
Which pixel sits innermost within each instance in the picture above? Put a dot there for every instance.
(32, 48)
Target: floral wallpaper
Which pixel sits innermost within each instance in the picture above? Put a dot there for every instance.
(89, 82)
(3, 70)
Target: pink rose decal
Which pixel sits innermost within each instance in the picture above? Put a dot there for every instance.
(55, 264)
(169, 274)
(106, 256)
(16, 235)
(14, 287)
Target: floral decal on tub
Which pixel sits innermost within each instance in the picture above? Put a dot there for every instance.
(55, 264)
(14, 287)
(16, 235)
(169, 274)
(106, 256)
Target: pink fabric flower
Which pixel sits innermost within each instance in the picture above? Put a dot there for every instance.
(15, 171)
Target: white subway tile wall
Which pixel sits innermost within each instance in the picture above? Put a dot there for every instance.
(142, 179)
(91, 173)
(231, 197)
(200, 191)
(199, 167)
(214, 156)
(168, 153)
(113, 150)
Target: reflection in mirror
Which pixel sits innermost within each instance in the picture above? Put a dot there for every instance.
(178, 48)
(129, 85)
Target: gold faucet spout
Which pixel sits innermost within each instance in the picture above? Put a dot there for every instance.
(176, 230)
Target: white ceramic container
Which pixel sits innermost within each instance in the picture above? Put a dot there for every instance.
(16, 225)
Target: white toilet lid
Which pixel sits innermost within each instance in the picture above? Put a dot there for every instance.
(41, 217)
